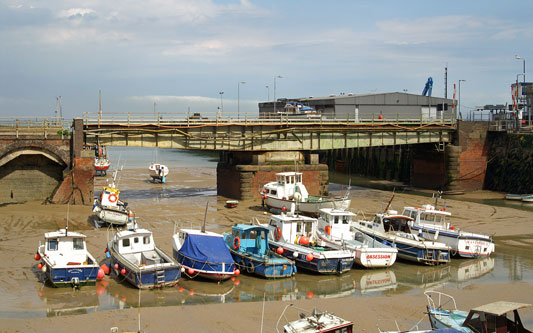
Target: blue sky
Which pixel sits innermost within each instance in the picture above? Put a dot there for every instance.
(181, 54)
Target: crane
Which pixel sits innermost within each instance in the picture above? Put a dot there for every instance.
(428, 87)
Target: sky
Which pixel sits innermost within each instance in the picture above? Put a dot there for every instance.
(182, 54)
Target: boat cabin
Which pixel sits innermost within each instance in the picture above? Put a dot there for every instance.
(338, 220)
(137, 246)
(109, 197)
(66, 248)
(288, 186)
(293, 227)
(390, 222)
(253, 239)
(428, 215)
(493, 318)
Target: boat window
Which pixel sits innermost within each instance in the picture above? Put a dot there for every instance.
(299, 227)
(336, 220)
(146, 240)
(136, 240)
(345, 220)
(77, 243)
(273, 192)
(252, 234)
(413, 214)
(308, 228)
(438, 218)
(126, 242)
(235, 233)
(52, 244)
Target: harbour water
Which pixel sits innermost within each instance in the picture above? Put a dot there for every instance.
(188, 190)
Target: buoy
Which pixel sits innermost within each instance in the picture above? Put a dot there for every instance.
(100, 274)
(279, 250)
(123, 271)
(304, 240)
(105, 251)
(105, 269)
(191, 292)
(284, 208)
(180, 289)
(43, 269)
(100, 289)
(182, 269)
(310, 257)
(116, 266)
(37, 257)
(310, 294)
(40, 266)
(190, 271)
(130, 214)
(237, 282)
(327, 229)
(264, 197)
(264, 191)
(237, 272)
(380, 116)
(295, 254)
(452, 227)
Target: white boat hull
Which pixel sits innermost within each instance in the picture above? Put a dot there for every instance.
(111, 216)
(307, 207)
(466, 245)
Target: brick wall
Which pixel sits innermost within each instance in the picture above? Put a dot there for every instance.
(472, 166)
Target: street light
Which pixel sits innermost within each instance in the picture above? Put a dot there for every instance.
(275, 77)
(268, 92)
(460, 114)
(239, 98)
(221, 105)
(517, 57)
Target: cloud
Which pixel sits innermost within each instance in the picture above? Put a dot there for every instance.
(76, 13)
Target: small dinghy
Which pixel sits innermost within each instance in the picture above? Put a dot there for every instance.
(158, 172)
(248, 245)
(294, 237)
(135, 258)
(512, 196)
(101, 163)
(334, 229)
(65, 260)
(232, 203)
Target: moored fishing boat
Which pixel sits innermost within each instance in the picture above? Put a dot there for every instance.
(135, 258)
(334, 229)
(391, 228)
(512, 196)
(493, 317)
(314, 321)
(248, 245)
(158, 172)
(232, 203)
(109, 209)
(101, 162)
(432, 224)
(65, 260)
(203, 253)
(527, 198)
(294, 237)
(288, 189)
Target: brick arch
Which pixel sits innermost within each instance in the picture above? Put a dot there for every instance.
(54, 153)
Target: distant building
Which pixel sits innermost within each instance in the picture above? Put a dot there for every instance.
(353, 107)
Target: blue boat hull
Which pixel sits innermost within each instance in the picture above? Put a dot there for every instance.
(417, 254)
(147, 278)
(317, 265)
(269, 267)
(66, 277)
(444, 319)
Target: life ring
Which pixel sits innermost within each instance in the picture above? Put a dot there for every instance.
(277, 233)
(327, 229)
(113, 197)
(250, 268)
(101, 197)
(236, 243)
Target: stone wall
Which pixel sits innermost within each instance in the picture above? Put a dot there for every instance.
(77, 187)
(428, 167)
(244, 182)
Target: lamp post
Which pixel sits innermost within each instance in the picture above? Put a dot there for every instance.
(221, 105)
(275, 77)
(517, 57)
(460, 114)
(268, 92)
(239, 98)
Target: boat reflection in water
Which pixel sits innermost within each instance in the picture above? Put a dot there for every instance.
(472, 269)
(66, 301)
(377, 281)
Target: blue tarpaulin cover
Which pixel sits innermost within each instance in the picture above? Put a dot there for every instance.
(197, 250)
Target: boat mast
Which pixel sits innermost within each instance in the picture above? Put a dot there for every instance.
(205, 216)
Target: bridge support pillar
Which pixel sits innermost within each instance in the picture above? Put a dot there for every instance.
(77, 187)
(241, 175)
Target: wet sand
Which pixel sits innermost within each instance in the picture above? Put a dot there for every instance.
(181, 202)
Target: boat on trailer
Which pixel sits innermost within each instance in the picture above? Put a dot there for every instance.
(391, 228)
(248, 245)
(294, 237)
(493, 317)
(335, 230)
(203, 253)
(289, 189)
(135, 258)
(433, 224)
(65, 260)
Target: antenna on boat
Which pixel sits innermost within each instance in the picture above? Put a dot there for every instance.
(390, 201)
(68, 211)
(205, 216)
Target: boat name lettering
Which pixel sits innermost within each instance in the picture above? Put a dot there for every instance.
(378, 256)
(377, 282)
(75, 270)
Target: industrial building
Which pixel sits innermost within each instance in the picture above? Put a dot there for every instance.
(364, 107)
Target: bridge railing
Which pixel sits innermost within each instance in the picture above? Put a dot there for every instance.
(34, 126)
(194, 119)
